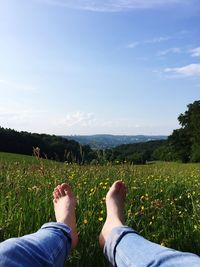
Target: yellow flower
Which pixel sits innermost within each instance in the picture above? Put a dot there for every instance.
(85, 221)
(100, 219)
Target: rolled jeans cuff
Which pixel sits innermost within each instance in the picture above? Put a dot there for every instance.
(63, 227)
(113, 240)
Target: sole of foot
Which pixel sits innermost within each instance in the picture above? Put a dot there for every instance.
(115, 200)
(65, 207)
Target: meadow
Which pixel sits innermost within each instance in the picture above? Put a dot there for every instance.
(163, 202)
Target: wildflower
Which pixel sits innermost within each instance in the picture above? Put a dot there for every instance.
(129, 212)
(142, 197)
(85, 221)
(100, 219)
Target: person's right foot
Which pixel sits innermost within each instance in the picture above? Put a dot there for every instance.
(115, 200)
(64, 206)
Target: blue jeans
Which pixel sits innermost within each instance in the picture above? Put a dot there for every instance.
(50, 246)
(124, 247)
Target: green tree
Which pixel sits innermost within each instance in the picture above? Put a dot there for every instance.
(186, 140)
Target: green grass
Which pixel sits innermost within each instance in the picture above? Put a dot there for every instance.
(163, 201)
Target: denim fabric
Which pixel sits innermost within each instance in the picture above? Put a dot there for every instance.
(48, 247)
(126, 248)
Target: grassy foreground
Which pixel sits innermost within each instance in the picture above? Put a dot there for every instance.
(163, 202)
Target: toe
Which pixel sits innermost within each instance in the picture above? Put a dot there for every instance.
(66, 187)
(58, 193)
(61, 191)
(54, 195)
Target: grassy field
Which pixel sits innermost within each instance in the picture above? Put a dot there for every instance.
(163, 202)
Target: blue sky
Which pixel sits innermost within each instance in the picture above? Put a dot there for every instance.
(87, 67)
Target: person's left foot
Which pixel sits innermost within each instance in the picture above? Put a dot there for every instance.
(64, 206)
(115, 200)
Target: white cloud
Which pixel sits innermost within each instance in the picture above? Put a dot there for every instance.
(149, 41)
(10, 85)
(18, 114)
(191, 70)
(115, 5)
(174, 50)
(133, 45)
(158, 40)
(195, 52)
(77, 118)
(40, 121)
(86, 123)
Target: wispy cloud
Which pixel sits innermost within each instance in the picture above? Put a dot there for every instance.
(19, 114)
(153, 40)
(191, 70)
(158, 40)
(173, 50)
(195, 52)
(115, 5)
(84, 123)
(33, 120)
(10, 85)
(133, 45)
(77, 118)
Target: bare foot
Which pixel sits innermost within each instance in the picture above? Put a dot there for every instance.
(64, 206)
(115, 200)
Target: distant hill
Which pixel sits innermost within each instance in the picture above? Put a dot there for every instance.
(44, 145)
(102, 141)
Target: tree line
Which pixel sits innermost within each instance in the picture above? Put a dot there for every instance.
(45, 146)
(182, 145)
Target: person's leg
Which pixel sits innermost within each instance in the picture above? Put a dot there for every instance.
(50, 245)
(125, 247)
